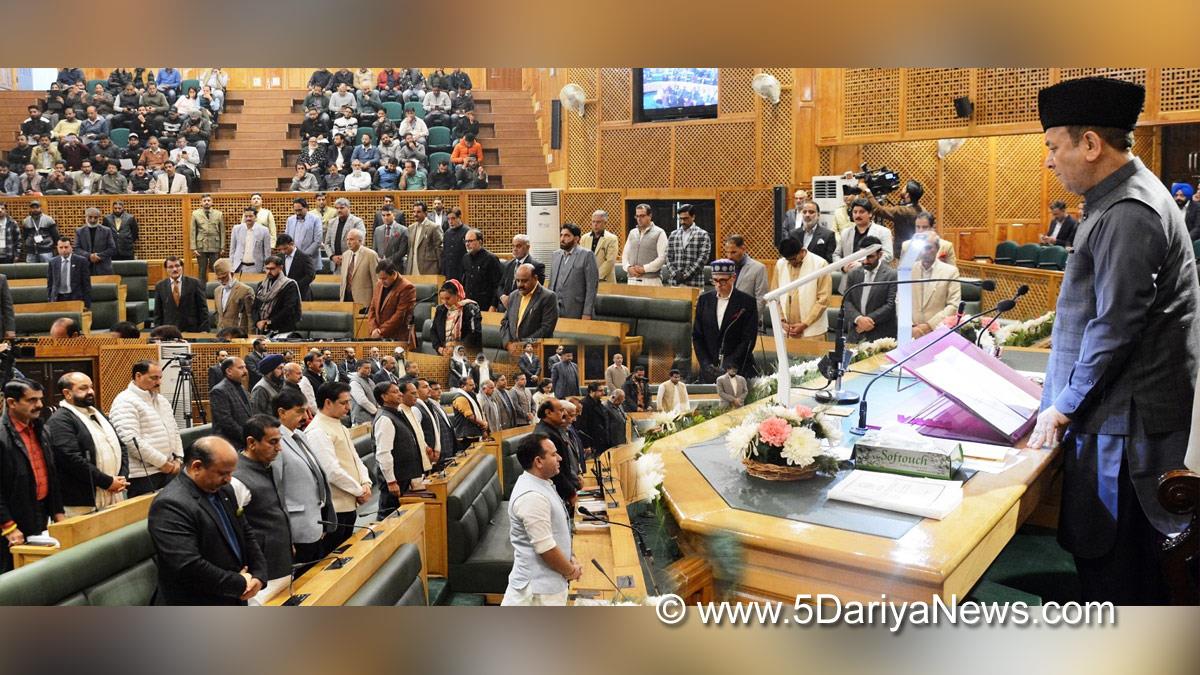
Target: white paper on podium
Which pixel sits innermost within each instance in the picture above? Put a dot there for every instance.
(985, 393)
(926, 497)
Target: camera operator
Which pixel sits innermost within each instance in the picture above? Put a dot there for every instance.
(903, 215)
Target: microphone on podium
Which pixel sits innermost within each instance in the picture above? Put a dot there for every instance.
(617, 588)
(1021, 290)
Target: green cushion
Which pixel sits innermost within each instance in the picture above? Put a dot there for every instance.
(397, 582)
(38, 323)
(191, 435)
(137, 312)
(487, 568)
(439, 590)
(326, 325)
(325, 291)
(470, 509)
(131, 587)
(135, 276)
(28, 295)
(24, 270)
(68, 573)
(365, 447)
(512, 467)
(636, 307)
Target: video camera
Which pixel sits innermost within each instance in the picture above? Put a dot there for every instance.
(881, 181)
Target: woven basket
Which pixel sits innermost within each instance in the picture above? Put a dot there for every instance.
(776, 472)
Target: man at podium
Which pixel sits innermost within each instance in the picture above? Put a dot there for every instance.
(1125, 348)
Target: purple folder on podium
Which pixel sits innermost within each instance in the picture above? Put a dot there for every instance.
(941, 414)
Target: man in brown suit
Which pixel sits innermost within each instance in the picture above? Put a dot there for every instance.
(357, 270)
(391, 309)
(233, 300)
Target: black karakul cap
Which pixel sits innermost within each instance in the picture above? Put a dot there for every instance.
(1091, 101)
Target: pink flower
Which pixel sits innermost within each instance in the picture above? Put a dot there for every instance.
(774, 431)
(804, 412)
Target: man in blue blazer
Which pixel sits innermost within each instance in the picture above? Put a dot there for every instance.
(70, 275)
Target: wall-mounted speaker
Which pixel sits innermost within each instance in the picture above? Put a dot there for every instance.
(555, 124)
(780, 198)
(963, 107)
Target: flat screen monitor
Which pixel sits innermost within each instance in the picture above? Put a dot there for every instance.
(674, 93)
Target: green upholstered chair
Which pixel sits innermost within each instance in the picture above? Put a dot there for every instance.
(113, 569)
(1006, 253)
(438, 141)
(478, 547)
(135, 276)
(396, 583)
(1027, 255)
(1052, 258)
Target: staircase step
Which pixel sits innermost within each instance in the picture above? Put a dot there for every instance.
(252, 172)
(247, 153)
(240, 162)
(243, 184)
(263, 136)
(278, 127)
(256, 143)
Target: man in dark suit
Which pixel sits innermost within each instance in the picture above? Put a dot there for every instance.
(96, 243)
(614, 421)
(91, 460)
(229, 401)
(637, 395)
(530, 364)
(815, 237)
(870, 311)
(573, 275)
(179, 301)
(726, 325)
(70, 275)
(205, 550)
(296, 265)
(277, 300)
(435, 424)
(532, 312)
(508, 275)
(125, 227)
(29, 491)
(216, 373)
(1062, 226)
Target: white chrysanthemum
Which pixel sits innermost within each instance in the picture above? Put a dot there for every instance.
(803, 369)
(651, 471)
(739, 438)
(665, 419)
(832, 429)
(802, 447)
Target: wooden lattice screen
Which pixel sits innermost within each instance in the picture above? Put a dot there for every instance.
(625, 161)
(929, 97)
(871, 101)
(1179, 89)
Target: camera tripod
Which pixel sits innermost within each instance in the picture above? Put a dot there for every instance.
(187, 376)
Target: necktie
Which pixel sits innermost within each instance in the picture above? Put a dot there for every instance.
(226, 525)
(64, 277)
(175, 292)
(350, 268)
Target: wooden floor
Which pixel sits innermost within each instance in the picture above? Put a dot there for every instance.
(256, 144)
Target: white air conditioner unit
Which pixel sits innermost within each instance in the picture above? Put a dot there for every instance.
(827, 193)
(543, 216)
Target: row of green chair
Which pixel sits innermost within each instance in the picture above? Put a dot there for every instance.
(1034, 256)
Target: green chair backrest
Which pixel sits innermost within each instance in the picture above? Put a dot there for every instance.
(395, 111)
(184, 84)
(1027, 255)
(363, 131)
(1006, 250)
(1052, 258)
(119, 136)
(416, 105)
(438, 137)
(436, 158)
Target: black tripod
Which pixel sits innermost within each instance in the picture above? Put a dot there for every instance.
(187, 376)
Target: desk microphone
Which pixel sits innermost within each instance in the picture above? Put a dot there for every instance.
(368, 528)
(646, 551)
(1002, 306)
(1021, 290)
(837, 361)
(610, 581)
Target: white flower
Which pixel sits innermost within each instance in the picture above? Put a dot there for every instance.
(665, 419)
(802, 447)
(651, 471)
(739, 438)
(833, 430)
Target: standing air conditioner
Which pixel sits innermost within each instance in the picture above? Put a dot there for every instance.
(542, 220)
(827, 193)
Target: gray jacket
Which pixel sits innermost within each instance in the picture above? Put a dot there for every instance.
(304, 487)
(538, 323)
(353, 222)
(573, 278)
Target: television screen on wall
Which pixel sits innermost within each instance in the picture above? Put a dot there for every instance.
(674, 93)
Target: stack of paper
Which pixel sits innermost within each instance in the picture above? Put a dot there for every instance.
(926, 497)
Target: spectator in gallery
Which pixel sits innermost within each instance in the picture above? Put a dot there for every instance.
(367, 153)
(467, 147)
(112, 182)
(466, 124)
(413, 178)
(437, 107)
(413, 82)
(1062, 225)
(313, 156)
(303, 181)
(388, 175)
(316, 125)
(411, 124)
(411, 149)
(442, 178)
(359, 179)
(471, 176)
(346, 124)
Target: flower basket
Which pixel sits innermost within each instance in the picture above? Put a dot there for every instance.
(777, 472)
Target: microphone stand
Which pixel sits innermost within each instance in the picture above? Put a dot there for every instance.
(839, 359)
(638, 536)
(1003, 306)
(1021, 290)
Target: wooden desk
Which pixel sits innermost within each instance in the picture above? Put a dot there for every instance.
(785, 557)
(78, 529)
(613, 547)
(437, 560)
(333, 587)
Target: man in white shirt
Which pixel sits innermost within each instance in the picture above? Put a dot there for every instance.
(672, 395)
(540, 531)
(411, 124)
(362, 394)
(616, 374)
(145, 423)
(645, 249)
(183, 153)
(349, 482)
(358, 180)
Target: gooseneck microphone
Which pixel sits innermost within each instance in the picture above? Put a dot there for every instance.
(834, 365)
(610, 581)
(646, 551)
(372, 531)
(1002, 306)
(1021, 290)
